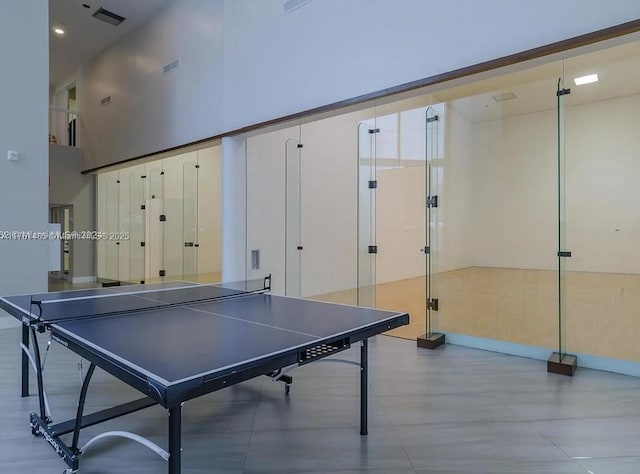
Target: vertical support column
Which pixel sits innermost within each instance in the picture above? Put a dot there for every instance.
(25, 361)
(364, 381)
(175, 435)
(234, 210)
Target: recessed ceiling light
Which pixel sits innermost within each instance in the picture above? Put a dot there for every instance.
(59, 31)
(586, 79)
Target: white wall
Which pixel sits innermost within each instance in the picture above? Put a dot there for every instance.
(150, 111)
(456, 235)
(515, 189)
(24, 189)
(514, 192)
(331, 50)
(601, 186)
(245, 61)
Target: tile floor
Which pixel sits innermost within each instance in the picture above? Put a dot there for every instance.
(453, 410)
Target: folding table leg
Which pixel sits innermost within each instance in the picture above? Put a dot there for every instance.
(175, 434)
(25, 361)
(363, 386)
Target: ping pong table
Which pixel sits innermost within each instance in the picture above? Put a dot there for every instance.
(177, 341)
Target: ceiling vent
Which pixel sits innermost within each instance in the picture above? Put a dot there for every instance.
(108, 17)
(291, 5)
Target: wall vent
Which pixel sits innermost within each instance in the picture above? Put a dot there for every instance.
(171, 67)
(291, 5)
(105, 101)
(255, 259)
(108, 17)
(505, 96)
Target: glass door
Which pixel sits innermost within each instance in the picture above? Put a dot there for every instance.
(293, 217)
(190, 221)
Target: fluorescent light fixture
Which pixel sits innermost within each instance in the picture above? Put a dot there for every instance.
(59, 31)
(586, 79)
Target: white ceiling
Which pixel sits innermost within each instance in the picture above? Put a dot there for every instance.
(85, 36)
(618, 69)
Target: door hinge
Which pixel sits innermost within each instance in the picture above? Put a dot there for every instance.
(373, 184)
(374, 130)
(373, 249)
(432, 201)
(563, 92)
(435, 118)
(426, 250)
(564, 253)
(432, 304)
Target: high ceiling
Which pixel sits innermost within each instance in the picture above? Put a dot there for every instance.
(86, 36)
(534, 88)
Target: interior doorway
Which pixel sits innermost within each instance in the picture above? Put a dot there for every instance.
(62, 216)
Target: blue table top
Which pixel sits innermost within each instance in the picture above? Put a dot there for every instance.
(177, 343)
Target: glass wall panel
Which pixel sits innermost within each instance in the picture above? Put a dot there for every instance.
(124, 225)
(400, 213)
(190, 221)
(155, 218)
(366, 215)
(111, 221)
(136, 224)
(433, 120)
(173, 231)
(293, 217)
(162, 228)
(563, 254)
(495, 230)
(602, 204)
(209, 215)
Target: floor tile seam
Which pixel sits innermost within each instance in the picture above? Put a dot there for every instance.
(587, 418)
(252, 428)
(494, 421)
(560, 449)
(506, 421)
(609, 457)
(397, 437)
(484, 392)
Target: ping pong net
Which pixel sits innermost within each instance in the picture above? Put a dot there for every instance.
(118, 303)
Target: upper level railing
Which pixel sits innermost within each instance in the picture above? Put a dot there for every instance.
(62, 126)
